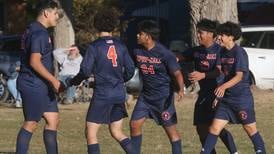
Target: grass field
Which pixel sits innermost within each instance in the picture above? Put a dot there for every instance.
(71, 138)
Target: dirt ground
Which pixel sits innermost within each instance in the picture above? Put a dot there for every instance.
(71, 138)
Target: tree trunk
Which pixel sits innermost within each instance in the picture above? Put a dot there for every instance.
(64, 35)
(220, 10)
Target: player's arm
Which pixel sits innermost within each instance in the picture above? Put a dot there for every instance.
(197, 76)
(129, 67)
(36, 64)
(220, 91)
(86, 68)
(180, 82)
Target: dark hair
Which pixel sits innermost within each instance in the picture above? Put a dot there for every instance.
(106, 20)
(230, 29)
(208, 25)
(150, 27)
(45, 4)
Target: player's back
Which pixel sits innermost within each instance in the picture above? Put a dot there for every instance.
(109, 60)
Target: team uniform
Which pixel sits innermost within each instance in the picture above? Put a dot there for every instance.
(156, 99)
(205, 60)
(237, 105)
(108, 59)
(37, 95)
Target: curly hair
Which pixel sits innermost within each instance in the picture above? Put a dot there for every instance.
(230, 29)
(208, 25)
(150, 27)
(106, 20)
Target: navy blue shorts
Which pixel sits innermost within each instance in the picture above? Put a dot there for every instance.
(161, 110)
(203, 111)
(104, 113)
(36, 99)
(236, 113)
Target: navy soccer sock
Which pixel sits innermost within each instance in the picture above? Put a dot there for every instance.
(258, 143)
(136, 141)
(22, 143)
(127, 146)
(93, 149)
(227, 139)
(176, 147)
(210, 142)
(50, 141)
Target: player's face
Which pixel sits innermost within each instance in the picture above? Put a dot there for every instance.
(204, 37)
(142, 38)
(224, 40)
(53, 16)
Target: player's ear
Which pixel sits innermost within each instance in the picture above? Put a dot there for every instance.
(46, 13)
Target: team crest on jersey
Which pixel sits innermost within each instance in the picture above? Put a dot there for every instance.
(166, 116)
(243, 115)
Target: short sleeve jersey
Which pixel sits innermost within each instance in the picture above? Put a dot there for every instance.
(232, 61)
(156, 67)
(205, 60)
(36, 40)
(107, 58)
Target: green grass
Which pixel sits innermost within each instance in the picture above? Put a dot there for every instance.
(71, 138)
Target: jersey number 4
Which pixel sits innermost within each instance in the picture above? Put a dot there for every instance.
(112, 55)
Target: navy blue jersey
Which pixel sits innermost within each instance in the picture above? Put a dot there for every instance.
(205, 60)
(108, 59)
(156, 67)
(232, 61)
(36, 40)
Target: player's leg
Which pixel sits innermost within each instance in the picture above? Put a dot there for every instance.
(91, 135)
(32, 110)
(138, 117)
(136, 133)
(174, 138)
(214, 131)
(50, 132)
(228, 140)
(115, 129)
(202, 131)
(255, 137)
(24, 136)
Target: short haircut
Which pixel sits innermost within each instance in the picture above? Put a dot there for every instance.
(208, 25)
(106, 20)
(42, 5)
(230, 29)
(150, 27)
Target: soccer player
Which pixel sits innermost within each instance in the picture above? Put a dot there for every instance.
(158, 66)
(236, 104)
(36, 81)
(108, 59)
(206, 58)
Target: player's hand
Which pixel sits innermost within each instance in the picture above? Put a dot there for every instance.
(56, 84)
(215, 102)
(62, 87)
(220, 91)
(180, 95)
(196, 76)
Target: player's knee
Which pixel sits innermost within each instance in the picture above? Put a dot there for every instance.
(135, 128)
(250, 129)
(30, 126)
(52, 124)
(214, 130)
(117, 134)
